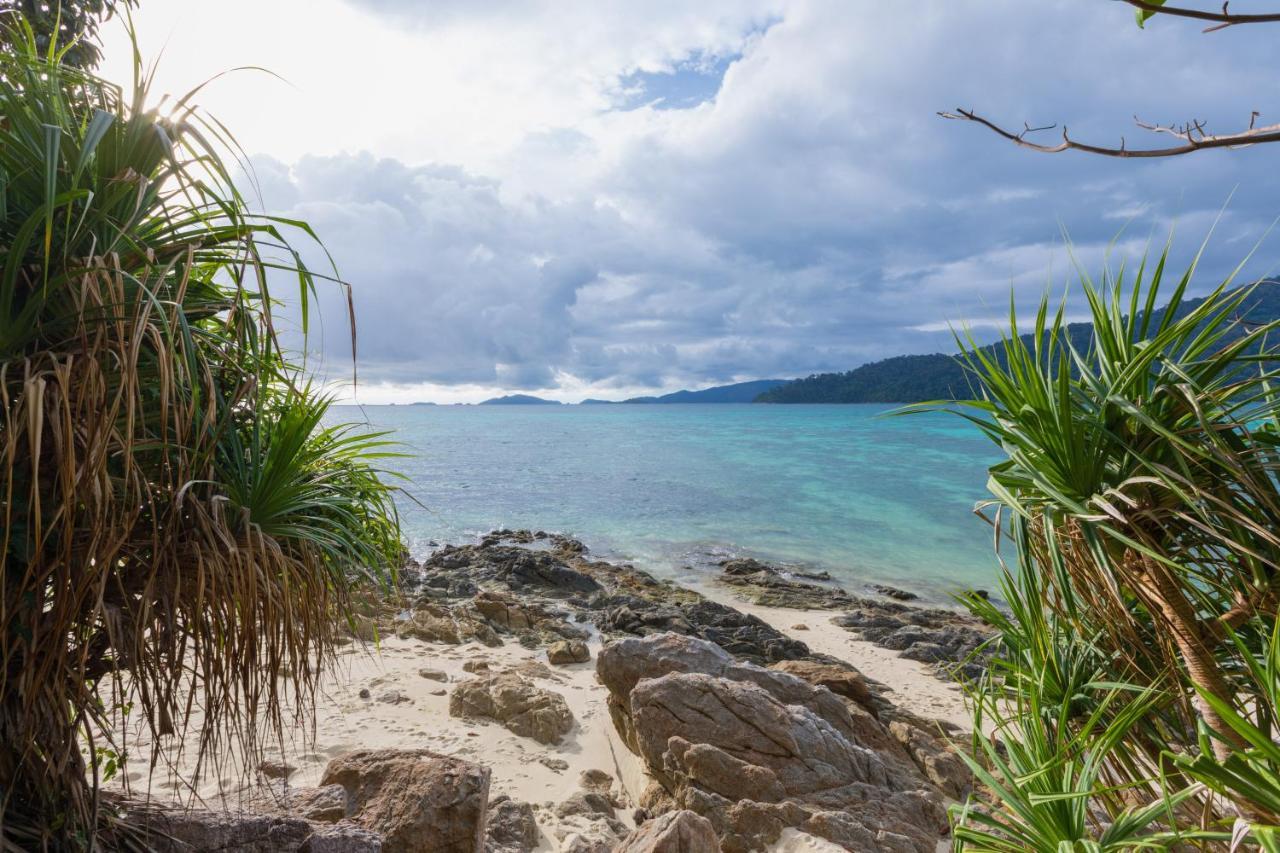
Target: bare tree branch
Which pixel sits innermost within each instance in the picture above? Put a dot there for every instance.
(1192, 134)
(1224, 18)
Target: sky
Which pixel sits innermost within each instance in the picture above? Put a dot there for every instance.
(605, 199)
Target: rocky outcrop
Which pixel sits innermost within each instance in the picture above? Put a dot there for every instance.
(674, 832)
(516, 702)
(756, 750)
(567, 652)
(947, 638)
(191, 830)
(511, 827)
(415, 799)
(774, 587)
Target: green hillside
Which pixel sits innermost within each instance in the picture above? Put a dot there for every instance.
(916, 378)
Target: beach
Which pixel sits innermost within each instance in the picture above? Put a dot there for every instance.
(396, 687)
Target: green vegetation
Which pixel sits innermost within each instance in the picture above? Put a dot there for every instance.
(1132, 701)
(180, 530)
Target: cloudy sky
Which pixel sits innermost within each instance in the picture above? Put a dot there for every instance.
(606, 198)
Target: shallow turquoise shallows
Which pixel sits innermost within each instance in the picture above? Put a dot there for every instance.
(842, 488)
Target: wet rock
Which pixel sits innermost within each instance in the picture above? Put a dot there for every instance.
(568, 651)
(674, 832)
(517, 703)
(774, 587)
(415, 799)
(895, 593)
(510, 827)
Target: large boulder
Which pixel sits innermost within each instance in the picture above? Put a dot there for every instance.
(517, 703)
(415, 799)
(172, 830)
(674, 832)
(755, 750)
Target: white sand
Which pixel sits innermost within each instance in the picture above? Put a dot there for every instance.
(346, 722)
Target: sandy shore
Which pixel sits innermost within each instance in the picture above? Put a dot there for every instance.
(395, 694)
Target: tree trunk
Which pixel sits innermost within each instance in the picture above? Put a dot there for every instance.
(1196, 649)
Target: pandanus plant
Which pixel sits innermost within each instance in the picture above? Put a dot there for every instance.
(181, 531)
(1141, 486)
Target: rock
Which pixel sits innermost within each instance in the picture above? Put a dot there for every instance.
(768, 585)
(433, 674)
(623, 664)
(436, 623)
(415, 799)
(674, 832)
(326, 804)
(936, 758)
(595, 780)
(511, 699)
(589, 834)
(364, 693)
(518, 569)
(586, 803)
(800, 626)
(559, 765)
(841, 680)
(476, 666)
(394, 697)
(568, 651)
(895, 593)
(511, 827)
(182, 831)
(947, 638)
(757, 750)
(343, 838)
(276, 769)
(362, 628)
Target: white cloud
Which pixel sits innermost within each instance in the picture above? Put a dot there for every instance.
(522, 223)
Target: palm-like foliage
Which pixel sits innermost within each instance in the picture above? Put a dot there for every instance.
(1142, 491)
(179, 530)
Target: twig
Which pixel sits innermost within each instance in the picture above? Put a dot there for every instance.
(1193, 134)
(1224, 19)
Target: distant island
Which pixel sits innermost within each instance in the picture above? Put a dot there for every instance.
(519, 400)
(918, 378)
(739, 392)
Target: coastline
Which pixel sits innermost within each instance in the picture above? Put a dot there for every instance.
(393, 688)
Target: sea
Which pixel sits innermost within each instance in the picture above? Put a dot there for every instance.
(850, 489)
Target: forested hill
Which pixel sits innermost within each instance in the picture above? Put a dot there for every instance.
(916, 378)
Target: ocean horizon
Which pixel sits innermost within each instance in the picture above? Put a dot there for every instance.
(675, 488)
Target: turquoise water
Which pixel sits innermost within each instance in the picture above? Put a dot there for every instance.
(868, 498)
